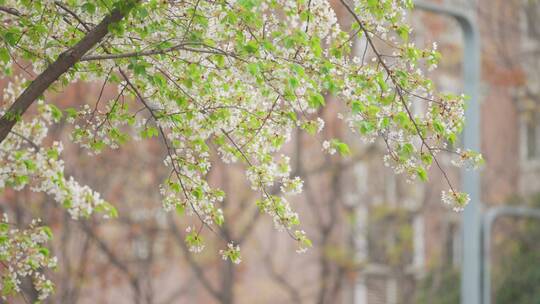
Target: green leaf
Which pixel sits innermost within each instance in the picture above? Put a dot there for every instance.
(406, 151)
(422, 174)
(366, 127)
(382, 84)
(44, 251)
(149, 132)
(316, 100)
(218, 218)
(293, 82)
(438, 127)
(56, 112)
(180, 209)
(89, 7)
(309, 127)
(159, 80)
(4, 228)
(254, 69)
(251, 47)
(341, 147)
(315, 45)
(11, 36)
(427, 159)
(4, 55)
(357, 107)
(197, 193)
(47, 231)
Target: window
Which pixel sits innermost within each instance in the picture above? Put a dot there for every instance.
(531, 137)
(532, 140)
(390, 236)
(395, 245)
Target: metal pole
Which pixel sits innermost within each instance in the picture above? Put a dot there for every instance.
(471, 264)
(490, 217)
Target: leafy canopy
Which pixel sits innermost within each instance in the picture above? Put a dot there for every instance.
(227, 79)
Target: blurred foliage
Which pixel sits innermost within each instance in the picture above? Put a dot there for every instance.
(440, 286)
(517, 275)
(516, 269)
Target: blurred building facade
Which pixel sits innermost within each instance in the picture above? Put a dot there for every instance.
(405, 234)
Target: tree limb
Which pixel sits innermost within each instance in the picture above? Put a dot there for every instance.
(196, 268)
(137, 54)
(64, 62)
(10, 11)
(65, 8)
(182, 46)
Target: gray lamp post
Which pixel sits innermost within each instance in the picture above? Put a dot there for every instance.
(471, 226)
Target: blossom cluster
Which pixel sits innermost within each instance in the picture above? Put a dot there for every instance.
(25, 160)
(232, 253)
(23, 254)
(457, 201)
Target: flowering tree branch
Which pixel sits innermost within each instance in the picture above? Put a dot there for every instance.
(64, 62)
(225, 82)
(399, 89)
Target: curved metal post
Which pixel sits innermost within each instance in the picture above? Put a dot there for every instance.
(490, 217)
(471, 226)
